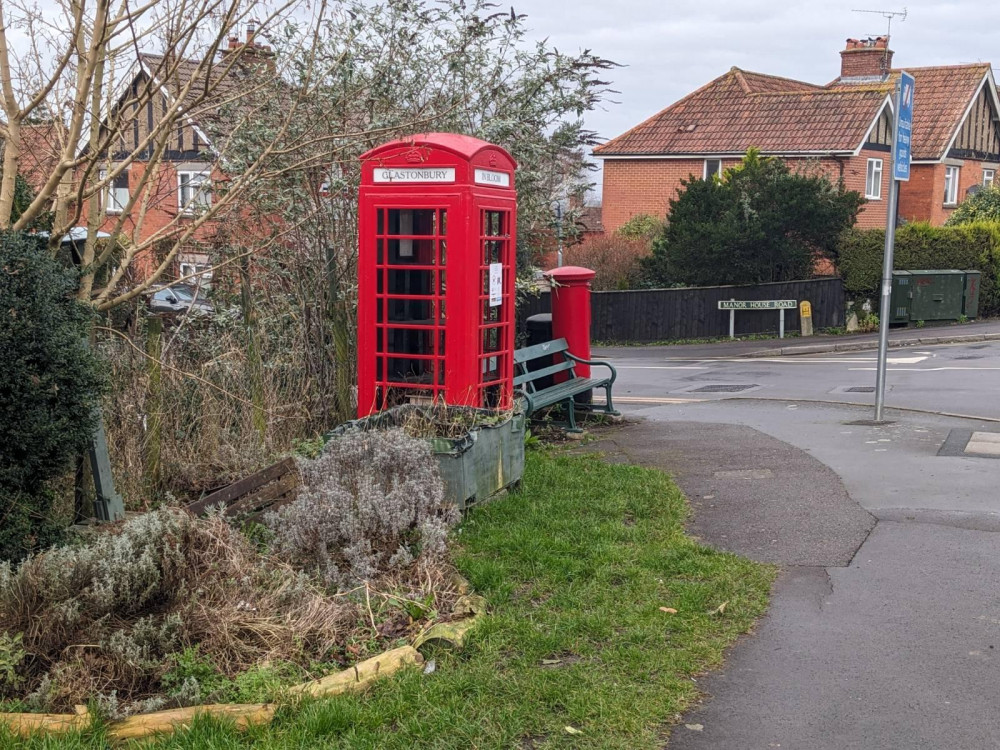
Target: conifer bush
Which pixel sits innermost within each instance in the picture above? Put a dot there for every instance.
(51, 387)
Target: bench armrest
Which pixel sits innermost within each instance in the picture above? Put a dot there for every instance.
(594, 362)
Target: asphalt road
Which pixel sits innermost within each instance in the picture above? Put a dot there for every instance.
(884, 626)
(951, 378)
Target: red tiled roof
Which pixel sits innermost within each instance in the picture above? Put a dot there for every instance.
(941, 97)
(742, 110)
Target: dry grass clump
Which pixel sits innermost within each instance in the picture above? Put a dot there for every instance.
(371, 504)
(438, 420)
(102, 617)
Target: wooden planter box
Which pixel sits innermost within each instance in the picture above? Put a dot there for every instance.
(479, 464)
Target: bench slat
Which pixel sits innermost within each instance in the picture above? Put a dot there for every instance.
(545, 372)
(540, 350)
(563, 391)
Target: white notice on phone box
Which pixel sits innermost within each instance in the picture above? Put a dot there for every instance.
(496, 284)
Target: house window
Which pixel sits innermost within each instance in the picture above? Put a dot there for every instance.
(989, 175)
(712, 167)
(196, 274)
(193, 191)
(950, 186)
(115, 196)
(873, 181)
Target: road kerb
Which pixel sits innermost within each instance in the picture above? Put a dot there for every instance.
(860, 346)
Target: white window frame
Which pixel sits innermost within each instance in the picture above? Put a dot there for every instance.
(873, 185)
(951, 180)
(200, 273)
(705, 174)
(114, 199)
(201, 197)
(989, 177)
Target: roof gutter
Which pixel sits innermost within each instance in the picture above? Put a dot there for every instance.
(721, 155)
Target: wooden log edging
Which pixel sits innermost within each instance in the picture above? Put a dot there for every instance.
(472, 607)
(356, 678)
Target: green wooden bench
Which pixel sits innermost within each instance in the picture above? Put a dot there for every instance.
(526, 382)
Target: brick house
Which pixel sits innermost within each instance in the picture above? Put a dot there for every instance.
(842, 129)
(182, 186)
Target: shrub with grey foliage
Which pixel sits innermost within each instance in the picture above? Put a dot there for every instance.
(371, 503)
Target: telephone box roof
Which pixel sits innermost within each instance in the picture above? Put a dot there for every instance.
(464, 146)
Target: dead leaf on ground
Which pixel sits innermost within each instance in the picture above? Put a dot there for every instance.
(668, 610)
(572, 730)
(721, 608)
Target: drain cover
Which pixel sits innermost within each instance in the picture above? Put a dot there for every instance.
(724, 388)
(860, 389)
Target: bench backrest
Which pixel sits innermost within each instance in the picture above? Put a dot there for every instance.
(250, 497)
(525, 378)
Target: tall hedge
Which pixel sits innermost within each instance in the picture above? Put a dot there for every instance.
(965, 247)
(50, 388)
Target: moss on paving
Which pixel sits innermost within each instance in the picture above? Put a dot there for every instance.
(576, 568)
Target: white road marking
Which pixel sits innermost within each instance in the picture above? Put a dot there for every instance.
(919, 369)
(658, 367)
(800, 361)
(657, 400)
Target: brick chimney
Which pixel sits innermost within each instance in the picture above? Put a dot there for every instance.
(866, 59)
(250, 53)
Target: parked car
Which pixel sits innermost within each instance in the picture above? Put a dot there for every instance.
(180, 298)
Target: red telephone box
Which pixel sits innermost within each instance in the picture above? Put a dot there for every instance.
(437, 226)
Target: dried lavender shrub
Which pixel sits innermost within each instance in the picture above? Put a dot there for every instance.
(371, 503)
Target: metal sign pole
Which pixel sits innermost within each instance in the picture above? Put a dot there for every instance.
(901, 129)
(884, 311)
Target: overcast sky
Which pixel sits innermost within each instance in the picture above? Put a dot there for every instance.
(669, 48)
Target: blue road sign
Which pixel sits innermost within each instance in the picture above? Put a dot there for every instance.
(904, 127)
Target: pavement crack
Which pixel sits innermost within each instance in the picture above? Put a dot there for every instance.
(862, 544)
(968, 520)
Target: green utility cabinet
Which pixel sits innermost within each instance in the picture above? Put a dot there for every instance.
(936, 295)
(899, 302)
(970, 300)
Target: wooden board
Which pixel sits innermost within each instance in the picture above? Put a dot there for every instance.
(256, 493)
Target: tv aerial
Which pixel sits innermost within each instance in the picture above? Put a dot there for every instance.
(889, 15)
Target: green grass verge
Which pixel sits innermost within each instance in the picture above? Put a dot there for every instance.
(575, 568)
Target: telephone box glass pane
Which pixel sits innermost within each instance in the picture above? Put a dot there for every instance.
(411, 282)
(410, 221)
(410, 370)
(410, 341)
(410, 311)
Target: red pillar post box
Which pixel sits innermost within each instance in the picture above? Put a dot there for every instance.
(437, 225)
(571, 312)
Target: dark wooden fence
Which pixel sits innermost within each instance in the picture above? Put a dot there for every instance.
(692, 313)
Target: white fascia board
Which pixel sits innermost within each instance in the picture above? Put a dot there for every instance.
(878, 116)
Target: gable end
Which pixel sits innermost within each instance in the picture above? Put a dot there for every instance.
(978, 136)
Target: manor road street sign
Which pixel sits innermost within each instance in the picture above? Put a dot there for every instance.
(754, 304)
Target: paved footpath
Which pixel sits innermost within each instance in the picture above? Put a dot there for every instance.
(884, 627)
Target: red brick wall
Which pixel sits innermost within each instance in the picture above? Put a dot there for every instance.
(161, 210)
(646, 186)
(873, 213)
(922, 198)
